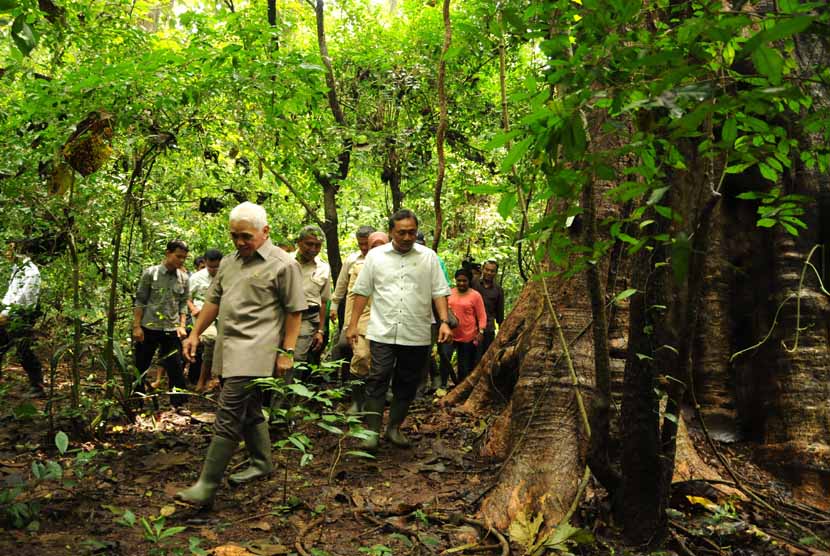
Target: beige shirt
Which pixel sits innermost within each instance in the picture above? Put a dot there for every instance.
(316, 282)
(253, 298)
(343, 285)
(363, 322)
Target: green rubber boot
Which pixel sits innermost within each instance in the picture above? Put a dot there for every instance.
(258, 442)
(216, 460)
(397, 413)
(358, 399)
(373, 420)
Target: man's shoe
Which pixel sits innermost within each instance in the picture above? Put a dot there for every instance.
(218, 455)
(397, 413)
(373, 420)
(37, 391)
(258, 442)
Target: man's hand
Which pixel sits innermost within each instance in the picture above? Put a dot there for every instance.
(444, 333)
(194, 312)
(138, 334)
(284, 364)
(181, 332)
(333, 316)
(317, 341)
(189, 347)
(351, 336)
(480, 338)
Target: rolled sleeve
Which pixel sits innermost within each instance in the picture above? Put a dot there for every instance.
(214, 291)
(341, 287)
(183, 310)
(440, 288)
(291, 291)
(142, 292)
(364, 283)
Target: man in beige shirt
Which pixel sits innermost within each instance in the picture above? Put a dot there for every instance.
(317, 289)
(361, 362)
(258, 296)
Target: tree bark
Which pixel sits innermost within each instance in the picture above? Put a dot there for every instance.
(331, 184)
(442, 126)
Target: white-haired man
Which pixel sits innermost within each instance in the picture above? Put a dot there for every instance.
(258, 296)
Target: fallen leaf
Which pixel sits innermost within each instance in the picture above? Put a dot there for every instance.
(267, 549)
(167, 510)
(231, 550)
(261, 526)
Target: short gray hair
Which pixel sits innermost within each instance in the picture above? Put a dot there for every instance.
(249, 212)
(311, 230)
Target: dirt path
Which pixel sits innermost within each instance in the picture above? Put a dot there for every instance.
(405, 501)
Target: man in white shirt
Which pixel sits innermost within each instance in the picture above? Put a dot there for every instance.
(403, 280)
(18, 315)
(199, 283)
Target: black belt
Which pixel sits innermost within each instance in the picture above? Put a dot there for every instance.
(312, 310)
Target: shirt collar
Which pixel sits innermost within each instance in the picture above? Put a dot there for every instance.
(262, 250)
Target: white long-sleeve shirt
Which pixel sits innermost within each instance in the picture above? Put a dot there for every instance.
(24, 287)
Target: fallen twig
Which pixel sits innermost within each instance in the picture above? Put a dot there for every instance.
(298, 544)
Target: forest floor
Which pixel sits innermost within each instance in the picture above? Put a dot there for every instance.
(115, 496)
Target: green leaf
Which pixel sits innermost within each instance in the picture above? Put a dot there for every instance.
(766, 223)
(360, 454)
(524, 531)
(331, 428)
(23, 35)
(768, 62)
(768, 172)
(7, 5)
(625, 294)
(500, 140)
(171, 531)
(681, 251)
(62, 442)
(301, 390)
(656, 195)
(516, 152)
(788, 26)
(507, 204)
(730, 131)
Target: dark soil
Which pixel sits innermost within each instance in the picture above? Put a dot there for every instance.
(420, 500)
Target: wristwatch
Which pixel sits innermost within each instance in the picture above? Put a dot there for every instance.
(445, 321)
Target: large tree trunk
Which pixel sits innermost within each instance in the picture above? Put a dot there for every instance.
(538, 433)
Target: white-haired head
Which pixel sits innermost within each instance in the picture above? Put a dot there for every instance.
(252, 214)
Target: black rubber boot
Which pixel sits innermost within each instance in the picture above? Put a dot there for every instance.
(397, 413)
(218, 455)
(258, 442)
(358, 399)
(373, 420)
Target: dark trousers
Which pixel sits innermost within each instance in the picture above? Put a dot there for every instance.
(466, 359)
(19, 333)
(489, 336)
(403, 364)
(170, 351)
(240, 407)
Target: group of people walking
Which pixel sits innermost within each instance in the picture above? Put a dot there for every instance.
(258, 311)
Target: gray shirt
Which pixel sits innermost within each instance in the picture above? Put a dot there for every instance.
(253, 298)
(163, 295)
